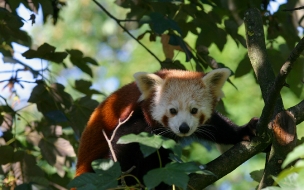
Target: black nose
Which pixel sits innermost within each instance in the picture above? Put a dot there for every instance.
(184, 128)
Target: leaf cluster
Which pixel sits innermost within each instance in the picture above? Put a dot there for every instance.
(108, 173)
(210, 23)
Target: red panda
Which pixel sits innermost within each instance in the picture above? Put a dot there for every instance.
(173, 103)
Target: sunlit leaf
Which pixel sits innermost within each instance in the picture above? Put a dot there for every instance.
(150, 143)
(107, 167)
(296, 153)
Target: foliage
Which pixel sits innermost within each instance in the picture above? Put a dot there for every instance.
(107, 172)
(40, 151)
(290, 177)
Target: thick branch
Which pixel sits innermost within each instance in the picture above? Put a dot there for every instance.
(284, 141)
(227, 162)
(286, 68)
(270, 91)
(258, 57)
(298, 112)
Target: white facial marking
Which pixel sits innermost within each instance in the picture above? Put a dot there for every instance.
(182, 95)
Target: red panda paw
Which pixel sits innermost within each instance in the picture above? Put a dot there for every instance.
(251, 129)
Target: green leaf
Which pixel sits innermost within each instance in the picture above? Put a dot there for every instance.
(232, 27)
(18, 155)
(53, 147)
(32, 171)
(172, 65)
(149, 143)
(5, 109)
(80, 113)
(257, 175)
(38, 92)
(296, 153)
(45, 166)
(51, 101)
(289, 182)
(178, 41)
(188, 167)
(89, 186)
(90, 60)
(147, 150)
(105, 177)
(272, 188)
(285, 173)
(243, 68)
(159, 23)
(47, 52)
(24, 186)
(107, 167)
(84, 179)
(83, 86)
(7, 154)
(77, 59)
(169, 176)
(144, 138)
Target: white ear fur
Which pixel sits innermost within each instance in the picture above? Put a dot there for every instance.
(215, 80)
(146, 82)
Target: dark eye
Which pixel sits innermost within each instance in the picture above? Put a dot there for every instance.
(173, 111)
(193, 111)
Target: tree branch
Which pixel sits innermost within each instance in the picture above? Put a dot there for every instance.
(118, 21)
(255, 40)
(284, 141)
(227, 162)
(298, 112)
(294, 9)
(271, 88)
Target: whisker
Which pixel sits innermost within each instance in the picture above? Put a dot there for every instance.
(207, 132)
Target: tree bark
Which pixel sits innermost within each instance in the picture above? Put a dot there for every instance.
(284, 141)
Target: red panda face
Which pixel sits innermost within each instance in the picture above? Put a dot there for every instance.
(182, 100)
(182, 105)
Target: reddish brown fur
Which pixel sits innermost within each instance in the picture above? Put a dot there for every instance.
(117, 106)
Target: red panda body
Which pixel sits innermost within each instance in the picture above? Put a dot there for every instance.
(179, 102)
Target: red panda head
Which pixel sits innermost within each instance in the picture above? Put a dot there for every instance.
(182, 100)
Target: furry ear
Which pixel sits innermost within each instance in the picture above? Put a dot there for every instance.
(215, 80)
(146, 82)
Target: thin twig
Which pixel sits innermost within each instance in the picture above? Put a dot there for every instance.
(294, 9)
(109, 141)
(110, 145)
(119, 124)
(118, 21)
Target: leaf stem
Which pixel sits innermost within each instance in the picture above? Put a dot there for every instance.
(159, 158)
(118, 21)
